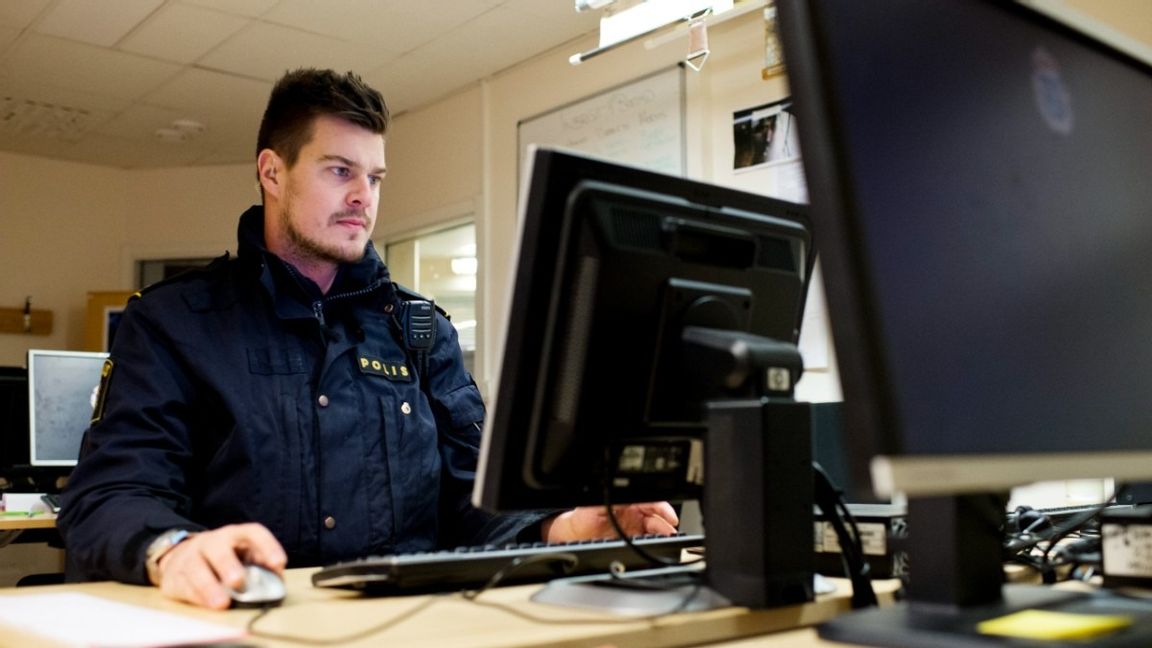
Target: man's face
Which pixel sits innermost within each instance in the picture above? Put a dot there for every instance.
(330, 196)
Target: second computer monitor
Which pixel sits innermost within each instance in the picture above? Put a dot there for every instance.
(62, 390)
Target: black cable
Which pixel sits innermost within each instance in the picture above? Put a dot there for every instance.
(569, 560)
(615, 522)
(1020, 547)
(1056, 531)
(830, 500)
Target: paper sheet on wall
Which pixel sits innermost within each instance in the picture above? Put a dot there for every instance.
(814, 340)
(96, 622)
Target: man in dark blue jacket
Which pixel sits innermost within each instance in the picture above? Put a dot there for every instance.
(269, 408)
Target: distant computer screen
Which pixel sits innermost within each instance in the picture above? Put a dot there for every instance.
(62, 389)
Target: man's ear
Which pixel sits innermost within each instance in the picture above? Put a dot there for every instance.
(269, 170)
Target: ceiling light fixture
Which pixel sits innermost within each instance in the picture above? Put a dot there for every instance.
(624, 25)
(180, 131)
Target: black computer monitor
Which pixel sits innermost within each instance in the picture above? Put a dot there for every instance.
(978, 175)
(595, 400)
(13, 418)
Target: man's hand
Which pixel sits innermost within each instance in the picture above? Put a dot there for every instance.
(202, 568)
(591, 522)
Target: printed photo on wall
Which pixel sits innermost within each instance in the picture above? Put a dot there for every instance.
(764, 135)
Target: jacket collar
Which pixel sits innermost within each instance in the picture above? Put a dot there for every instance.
(294, 294)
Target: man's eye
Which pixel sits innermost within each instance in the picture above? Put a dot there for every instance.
(341, 171)
(375, 179)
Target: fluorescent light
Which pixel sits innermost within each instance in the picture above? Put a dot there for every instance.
(647, 17)
(464, 265)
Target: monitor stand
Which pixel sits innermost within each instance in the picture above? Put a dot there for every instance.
(956, 574)
(757, 506)
(649, 592)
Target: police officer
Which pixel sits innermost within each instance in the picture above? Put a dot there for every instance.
(268, 409)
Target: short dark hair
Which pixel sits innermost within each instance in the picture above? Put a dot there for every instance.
(304, 94)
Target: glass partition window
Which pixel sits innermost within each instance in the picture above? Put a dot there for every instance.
(441, 265)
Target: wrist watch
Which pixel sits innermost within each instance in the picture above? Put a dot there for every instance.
(163, 543)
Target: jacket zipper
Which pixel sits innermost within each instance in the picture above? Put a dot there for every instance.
(318, 305)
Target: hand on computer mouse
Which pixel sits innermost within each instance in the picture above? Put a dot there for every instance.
(262, 588)
(203, 569)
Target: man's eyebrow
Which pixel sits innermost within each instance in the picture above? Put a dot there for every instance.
(348, 162)
(338, 158)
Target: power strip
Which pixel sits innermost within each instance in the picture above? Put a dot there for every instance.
(1126, 546)
(881, 526)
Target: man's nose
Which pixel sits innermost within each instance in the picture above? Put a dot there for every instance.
(363, 193)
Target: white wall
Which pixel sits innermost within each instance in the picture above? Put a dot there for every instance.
(71, 228)
(189, 212)
(61, 228)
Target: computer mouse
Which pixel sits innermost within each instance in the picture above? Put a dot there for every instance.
(262, 588)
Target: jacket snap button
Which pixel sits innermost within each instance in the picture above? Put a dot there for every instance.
(329, 522)
(405, 407)
(388, 308)
(323, 400)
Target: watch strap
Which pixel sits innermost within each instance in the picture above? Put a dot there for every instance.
(159, 547)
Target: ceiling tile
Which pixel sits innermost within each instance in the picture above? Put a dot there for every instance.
(266, 51)
(562, 13)
(393, 25)
(508, 36)
(20, 116)
(182, 33)
(140, 122)
(97, 22)
(418, 79)
(7, 37)
(20, 14)
(212, 98)
(37, 145)
(84, 68)
(34, 89)
(250, 8)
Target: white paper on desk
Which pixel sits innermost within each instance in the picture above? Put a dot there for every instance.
(85, 620)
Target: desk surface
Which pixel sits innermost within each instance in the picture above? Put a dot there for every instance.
(21, 522)
(503, 617)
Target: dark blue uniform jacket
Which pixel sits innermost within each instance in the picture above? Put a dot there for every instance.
(240, 393)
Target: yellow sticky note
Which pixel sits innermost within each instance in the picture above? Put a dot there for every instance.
(1045, 624)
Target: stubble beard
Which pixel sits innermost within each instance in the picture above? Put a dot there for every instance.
(312, 250)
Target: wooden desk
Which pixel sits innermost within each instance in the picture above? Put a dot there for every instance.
(11, 526)
(496, 620)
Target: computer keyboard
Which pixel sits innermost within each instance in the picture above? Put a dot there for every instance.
(52, 501)
(470, 567)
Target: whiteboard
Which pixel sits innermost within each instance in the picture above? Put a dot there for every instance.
(640, 123)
